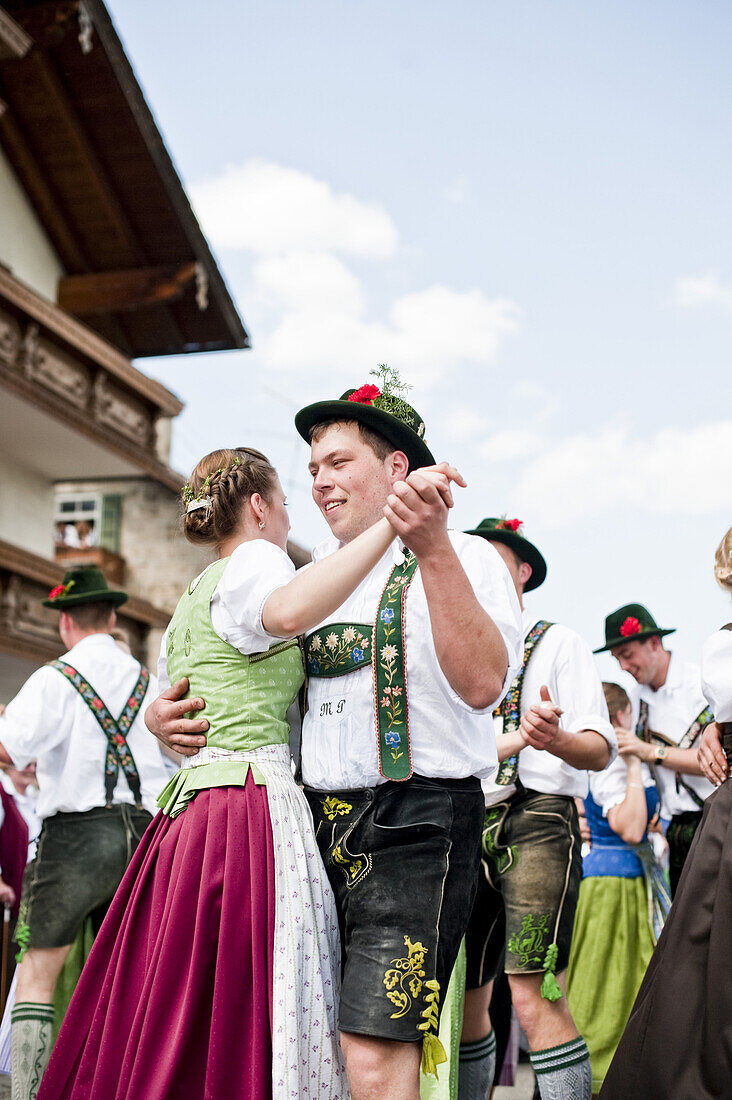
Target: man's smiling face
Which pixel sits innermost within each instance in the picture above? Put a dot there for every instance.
(350, 482)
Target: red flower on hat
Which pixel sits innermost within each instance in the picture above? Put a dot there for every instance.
(59, 590)
(366, 394)
(629, 627)
(514, 524)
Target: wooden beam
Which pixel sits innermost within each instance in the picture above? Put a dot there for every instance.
(42, 198)
(117, 291)
(14, 42)
(48, 23)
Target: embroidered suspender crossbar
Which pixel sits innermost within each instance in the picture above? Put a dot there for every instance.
(340, 648)
(115, 730)
(686, 742)
(510, 706)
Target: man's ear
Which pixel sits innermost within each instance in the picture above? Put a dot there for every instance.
(525, 572)
(398, 465)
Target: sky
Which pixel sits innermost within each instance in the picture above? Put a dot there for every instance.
(524, 207)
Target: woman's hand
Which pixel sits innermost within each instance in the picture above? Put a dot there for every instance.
(629, 745)
(710, 755)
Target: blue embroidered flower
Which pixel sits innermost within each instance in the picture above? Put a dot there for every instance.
(314, 667)
(392, 738)
(387, 615)
(357, 654)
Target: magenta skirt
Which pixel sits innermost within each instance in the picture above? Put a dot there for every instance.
(175, 1000)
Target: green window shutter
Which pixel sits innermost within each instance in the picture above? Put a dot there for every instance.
(111, 522)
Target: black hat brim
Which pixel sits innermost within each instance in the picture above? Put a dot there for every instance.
(104, 595)
(397, 433)
(633, 638)
(523, 549)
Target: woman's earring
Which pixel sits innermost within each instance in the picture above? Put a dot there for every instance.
(261, 525)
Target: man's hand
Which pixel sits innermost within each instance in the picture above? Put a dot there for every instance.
(7, 894)
(417, 508)
(164, 718)
(710, 755)
(540, 724)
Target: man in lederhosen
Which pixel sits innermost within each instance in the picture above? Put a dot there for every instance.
(99, 773)
(670, 712)
(552, 726)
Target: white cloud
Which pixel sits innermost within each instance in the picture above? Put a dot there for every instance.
(508, 446)
(702, 290)
(267, 208)
(323, 325)
(608, 474)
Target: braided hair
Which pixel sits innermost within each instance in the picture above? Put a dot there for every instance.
(723, 562)
(224, 479)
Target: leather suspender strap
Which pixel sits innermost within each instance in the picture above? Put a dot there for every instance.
(115, 730)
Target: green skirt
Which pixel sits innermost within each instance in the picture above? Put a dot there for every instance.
(612, 945)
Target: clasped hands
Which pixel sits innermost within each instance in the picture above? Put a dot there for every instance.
(540, 723)
(417, 507)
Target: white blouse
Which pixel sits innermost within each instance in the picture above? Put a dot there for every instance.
(716, 674)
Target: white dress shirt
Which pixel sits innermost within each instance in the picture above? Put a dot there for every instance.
(563, 662)
(716, 674)
(671, 710)
(49, 722)
(449, 739)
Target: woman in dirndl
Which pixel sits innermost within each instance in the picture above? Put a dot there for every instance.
(623, 900)
(215, 973)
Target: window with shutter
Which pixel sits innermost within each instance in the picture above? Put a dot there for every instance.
(111, 522)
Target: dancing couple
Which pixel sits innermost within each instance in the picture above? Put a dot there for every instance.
(217, 971)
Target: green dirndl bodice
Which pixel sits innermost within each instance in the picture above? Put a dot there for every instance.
(247, 696)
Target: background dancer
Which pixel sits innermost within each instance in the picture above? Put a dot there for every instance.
(671, 713)
(623, 899)
(531, 865)
(676, 1044)
(98, 774)
(397, 805)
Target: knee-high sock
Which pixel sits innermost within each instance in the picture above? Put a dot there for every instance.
(31, 1039)
(563, 1072)
(477, 1068)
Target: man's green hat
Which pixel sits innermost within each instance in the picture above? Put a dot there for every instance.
(510, 533)
(383, 409)
(630, 623)
(83, 584)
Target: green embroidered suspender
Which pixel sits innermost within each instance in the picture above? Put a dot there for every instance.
(337, 649)
(390, 673)
(687, 741)
(118, 751)
(510, 706)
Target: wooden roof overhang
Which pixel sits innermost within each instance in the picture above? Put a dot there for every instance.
(79, 134)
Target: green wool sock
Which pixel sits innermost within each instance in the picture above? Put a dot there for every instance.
(563, 1072)
(477, 1068)
(31, 1039)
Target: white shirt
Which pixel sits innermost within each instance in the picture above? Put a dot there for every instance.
(49, 722)
(716, 674)
(609, 787)
(254, 570)
(449, 739)
(671, 710)
(563, 662)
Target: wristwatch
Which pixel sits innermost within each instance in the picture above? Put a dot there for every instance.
(660, 753)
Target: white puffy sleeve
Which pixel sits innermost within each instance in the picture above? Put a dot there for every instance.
(254, 571)
(716, 674)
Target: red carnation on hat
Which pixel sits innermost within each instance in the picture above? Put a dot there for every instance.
(59, 590)
(630, 626)
(514, 524)
(366, 394)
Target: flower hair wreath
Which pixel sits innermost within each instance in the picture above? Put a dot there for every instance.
(202, 499)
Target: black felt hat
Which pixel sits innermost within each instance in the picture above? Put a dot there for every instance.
(630, 623)
(384, 413)
(83, 584)
(510, 533)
